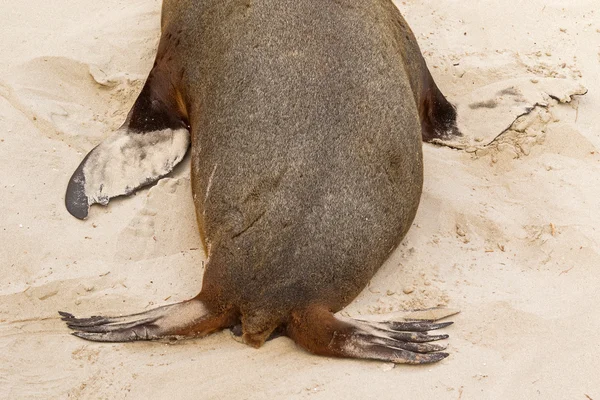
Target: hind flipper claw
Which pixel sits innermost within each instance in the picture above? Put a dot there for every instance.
(415, 326)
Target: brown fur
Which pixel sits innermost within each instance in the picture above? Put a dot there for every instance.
(306, 119)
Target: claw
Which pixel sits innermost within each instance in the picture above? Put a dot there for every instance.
(104, 327)
(420, 348)
(416, 326)
(400, 356)
(415, 337)
(428, 358)
(83, 322)
(113, 337)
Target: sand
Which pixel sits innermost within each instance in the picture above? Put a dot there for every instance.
(507, 230)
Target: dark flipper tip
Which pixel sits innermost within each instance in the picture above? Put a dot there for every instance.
(437, 357)
(85, 336)
(421, 359)
(75, 198)
(65, 315)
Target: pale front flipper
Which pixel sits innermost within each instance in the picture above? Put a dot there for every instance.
(122, 164)
(153, 140)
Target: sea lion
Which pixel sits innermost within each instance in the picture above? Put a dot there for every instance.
(305, 119)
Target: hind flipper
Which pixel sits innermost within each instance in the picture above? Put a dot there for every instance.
(320, 332)
(152, 141)
(187, 319)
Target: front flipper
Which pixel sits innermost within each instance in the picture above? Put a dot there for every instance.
(122, 164)
(437, 114)
(153, 140)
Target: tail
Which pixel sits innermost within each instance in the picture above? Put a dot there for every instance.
(192, 318)
(317, 330)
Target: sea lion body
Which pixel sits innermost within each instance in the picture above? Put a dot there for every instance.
(306, 119)
(315, 173)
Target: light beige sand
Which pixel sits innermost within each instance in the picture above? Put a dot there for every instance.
(508, 233)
